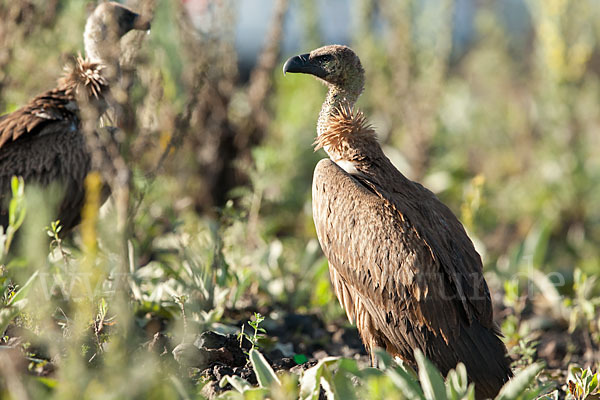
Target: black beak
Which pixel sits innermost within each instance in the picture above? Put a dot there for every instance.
(129, 20)
(302, 64)
(141, 24)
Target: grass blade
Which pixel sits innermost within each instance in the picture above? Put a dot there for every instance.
(518, 384)
(238, 383)
(431, 379)
(8, 313)
(23, 290)
(264, 373)
(407, 385)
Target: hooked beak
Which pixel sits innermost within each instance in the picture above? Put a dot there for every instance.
(302, 64)
(141, 24)
(129, 20)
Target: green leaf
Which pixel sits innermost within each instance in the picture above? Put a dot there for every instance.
(519, 383)
(8, 313)
(538, 391)
(384, 359)
(50, 383)
(328, 383)
(231, 395)
(17, 186)
(16, 207)
(370, 372)
(402, 379)
(264, 373)
(310, 383)
(457, 384)
(349, 365)
(344, 389)
(550, 396)
(406, 383)
(594, 383)
(238, 383)
(255, 394)
(22, 292)
(300, 358)
(431, 379)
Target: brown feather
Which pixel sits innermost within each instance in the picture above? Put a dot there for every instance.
(344, 129)
(387, 278)
(42, 143)
(403, 266)
(56, 105)
(401, 263)
(84, 75)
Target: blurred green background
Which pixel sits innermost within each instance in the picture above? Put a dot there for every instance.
(493, 105)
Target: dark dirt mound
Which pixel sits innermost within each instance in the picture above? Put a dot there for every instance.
(293, 343)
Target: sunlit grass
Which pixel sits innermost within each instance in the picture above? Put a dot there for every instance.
(507, 138)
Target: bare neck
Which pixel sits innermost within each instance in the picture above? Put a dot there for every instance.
(92, 37)
(99, 48)
(335, 97)
(349, 140)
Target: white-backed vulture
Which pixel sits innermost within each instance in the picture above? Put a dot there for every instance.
(401, 263)
(42, 141)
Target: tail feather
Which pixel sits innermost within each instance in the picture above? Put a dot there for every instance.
(483, 354)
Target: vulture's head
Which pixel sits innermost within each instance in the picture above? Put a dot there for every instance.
(106, 25)
(337, 65)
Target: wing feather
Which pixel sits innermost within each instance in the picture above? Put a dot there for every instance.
(385, 261)
(36, 118)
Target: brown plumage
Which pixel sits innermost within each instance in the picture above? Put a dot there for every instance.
(401, 263)
(42, 141)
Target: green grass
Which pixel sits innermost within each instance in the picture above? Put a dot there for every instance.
(505, 133)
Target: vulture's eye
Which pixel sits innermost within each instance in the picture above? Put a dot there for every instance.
(325, 59)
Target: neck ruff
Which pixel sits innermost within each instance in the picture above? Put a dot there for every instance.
(86, 76)
(344, 128)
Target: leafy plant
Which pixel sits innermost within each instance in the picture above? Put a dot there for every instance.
(584, 304)
(256, 336)
(53, 232)
(525, 351)
(266, 377)
(503, 128)
(344, 379)
(16, 215)
(17, 300)
(517, 387)
(583, 384)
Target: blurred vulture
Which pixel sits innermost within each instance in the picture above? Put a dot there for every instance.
(401, 263)
(42, 141)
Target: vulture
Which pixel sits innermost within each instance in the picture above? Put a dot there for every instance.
(401, 264)
(43, 141)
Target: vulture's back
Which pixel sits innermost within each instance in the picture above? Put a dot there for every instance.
(404, 269)
(42, 143)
